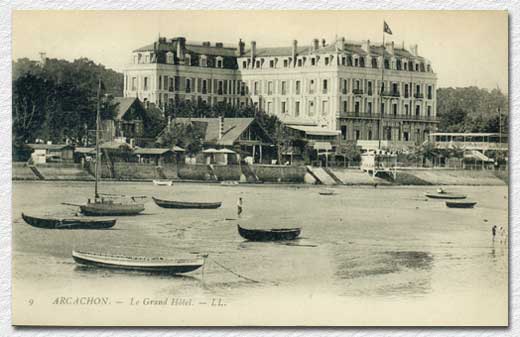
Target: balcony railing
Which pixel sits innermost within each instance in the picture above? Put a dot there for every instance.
(418, 95)
(170, 89)
(344, 91)
(369, 92)
(357, 91)
(367, 115)
(391, 93)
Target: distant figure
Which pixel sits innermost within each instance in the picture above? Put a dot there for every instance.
(440, 190)
(502, 233)
(239, 206)
(494, 231)
(375, 185)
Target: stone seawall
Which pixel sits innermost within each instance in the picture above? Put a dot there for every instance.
(262, 173)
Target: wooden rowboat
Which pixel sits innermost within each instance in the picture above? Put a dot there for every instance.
(110, 208)
(163, 182)
(327, 193)
(68, 223)
(445, 196)
(460, 204)
(269, 234)
(138, 263)
(186, 204)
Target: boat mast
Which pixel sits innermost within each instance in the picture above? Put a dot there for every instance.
(381, 90)
(97, 167)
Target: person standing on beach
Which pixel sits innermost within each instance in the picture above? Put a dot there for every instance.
(494, 231)
(239, 206)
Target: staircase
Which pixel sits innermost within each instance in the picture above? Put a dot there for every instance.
(333, 176)
(321, 176)
(36, 172)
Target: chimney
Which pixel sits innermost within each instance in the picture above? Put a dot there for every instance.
(366, 46)
(220, 127)
(206, 44)
(390, 47)
(43, 59)
(219, 44)
(241, 47)
(323, 42)
(315, 44)
(413, 49)
(294, 49)
(340, 44)
(253, 51)
(181, 47)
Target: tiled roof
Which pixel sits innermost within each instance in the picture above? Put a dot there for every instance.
(123, 104)
(54, 147)
(152, 151)
(199, 49)
(233, 128)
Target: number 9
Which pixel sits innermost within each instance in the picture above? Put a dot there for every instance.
(31, 301)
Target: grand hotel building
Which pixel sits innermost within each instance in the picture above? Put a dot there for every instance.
(335, 87)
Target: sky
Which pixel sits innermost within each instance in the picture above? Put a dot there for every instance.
(466, 48)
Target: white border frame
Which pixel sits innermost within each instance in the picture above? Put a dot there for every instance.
(5, 166)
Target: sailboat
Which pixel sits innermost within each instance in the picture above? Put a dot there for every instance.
(101, 206)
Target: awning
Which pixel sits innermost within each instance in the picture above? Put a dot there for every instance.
(315, 130)
(323, 146)
(178, 149)
(210, 151)
(226, 151)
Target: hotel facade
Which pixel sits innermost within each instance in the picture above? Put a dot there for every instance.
(343, 88)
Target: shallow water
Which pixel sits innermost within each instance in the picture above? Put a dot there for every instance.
(389, 242)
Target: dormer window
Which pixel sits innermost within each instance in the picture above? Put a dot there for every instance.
(203, 61)
(258, 64)
(220, 62)
(139, 57)
(187, 60)
(244, 64)
(356, 62)
(169, 57)
(271, 63)
(326, 61)
(136, 60)
(285, 63)
(313, 61)
(300, 62)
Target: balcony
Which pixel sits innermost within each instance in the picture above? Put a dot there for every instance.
(391, 93)
(219, 92)
(418, 95)
(204, 91)
(324, 91)
(170, 89)
(366, 115)
(344, 91)
(369, 92)
(188, 90)
(357, 91)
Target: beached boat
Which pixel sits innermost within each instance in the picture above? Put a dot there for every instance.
(327, 192)
(68, 223)
(163, 182)
(269, 234)
(186, 204)
(100, 206)
(460, 204)
(229, 183)
(138, 263)
(445, 195)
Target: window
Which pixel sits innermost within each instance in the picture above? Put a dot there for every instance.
(145, 84)
(270, 87)
(300, 63)
(430, 92)
(311, 87)
(188, 85)
(284, 107)
(356, 62)
(271, 63)
(269, 107)
(344, 132)
(311, 108)
(285, 63)
(358, 134)
(417, 67)
(313, 61)
(406, 136)
(244, 64)
(387, 64)
(298, 87)
(374, 63)
(394, 109)
(325, 86)
(255, 88)
(406, 112)
(417, 110)
(134, 83)
(324, 107)
(220, 62)
(258, 64)
(429, 111)
(284, 88)
(417, 89)
(369, 134)
(356, 107)
(406, 94)
(326, 61)
(405, 64)
(369, 88)
(345, 85)
(345, 106)
(343, 61)
(369, 107)
(220, 90)
(382, 108)
(203, 61)
(297, 108)
(204, 87)
(171, 86)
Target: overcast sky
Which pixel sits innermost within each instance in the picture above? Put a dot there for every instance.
(465, 47)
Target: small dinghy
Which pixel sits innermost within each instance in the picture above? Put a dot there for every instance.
(327, 192)
(186, 204)
(69, 223)
(460, 204)
(138, 263)
(229, 183)
(163, 182)
(269, 234)
(445, 195)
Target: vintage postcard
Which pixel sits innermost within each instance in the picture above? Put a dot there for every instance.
(260, 168)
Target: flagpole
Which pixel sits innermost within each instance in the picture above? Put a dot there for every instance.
(381, 91)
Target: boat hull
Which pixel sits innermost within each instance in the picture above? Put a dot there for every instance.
(150, 265)
(186, 204)
(445, 196)
(109, 209)
(163, 182)
(452, 204)
(70, 223)
(269, 235)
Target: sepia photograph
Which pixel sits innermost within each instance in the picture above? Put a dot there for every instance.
(260, 168)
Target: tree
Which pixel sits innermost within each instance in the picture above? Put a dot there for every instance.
(187, 136)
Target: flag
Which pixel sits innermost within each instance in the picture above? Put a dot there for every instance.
(387, 29)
